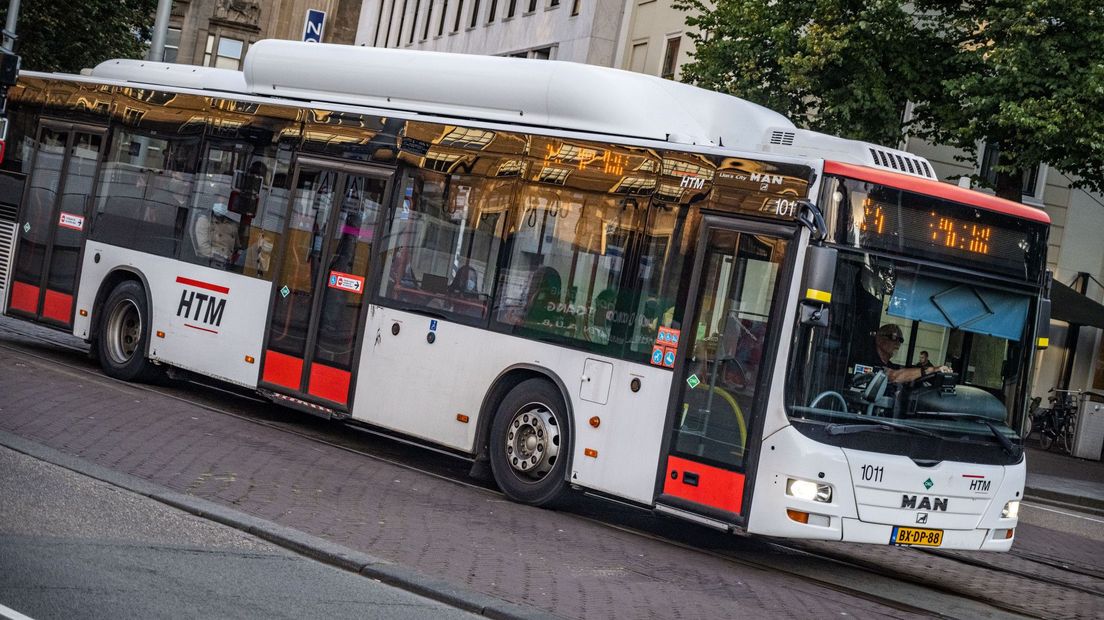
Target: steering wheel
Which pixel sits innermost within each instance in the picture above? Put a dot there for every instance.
(829, 394)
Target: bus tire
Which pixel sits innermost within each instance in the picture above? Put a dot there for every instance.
(530, 446)
(123, 334)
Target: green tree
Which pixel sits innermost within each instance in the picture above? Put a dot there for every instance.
(1025, 74)
(61, 35)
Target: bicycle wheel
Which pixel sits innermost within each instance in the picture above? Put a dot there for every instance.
(1046, 438)
(1065, 437)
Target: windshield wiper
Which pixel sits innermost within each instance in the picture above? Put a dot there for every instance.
(1005, 443)
(862, 427)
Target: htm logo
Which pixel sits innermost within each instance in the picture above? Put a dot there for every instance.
(205, 305)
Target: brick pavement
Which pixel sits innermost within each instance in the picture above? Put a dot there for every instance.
(468, 537)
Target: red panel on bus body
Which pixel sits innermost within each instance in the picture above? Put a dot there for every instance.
(929, 187)
(714, 486)
(24, 298)
(57, 306)
(329, 383)
(280, 369)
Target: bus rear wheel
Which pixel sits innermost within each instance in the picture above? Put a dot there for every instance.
(123, 334)
(529, 445)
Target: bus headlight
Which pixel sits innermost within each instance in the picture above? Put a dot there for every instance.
(809, 491)
(1011, 510)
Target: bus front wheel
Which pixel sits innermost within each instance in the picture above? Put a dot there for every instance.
(529, 443)
(123, 333)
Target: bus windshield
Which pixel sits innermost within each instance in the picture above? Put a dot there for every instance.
(914, 359)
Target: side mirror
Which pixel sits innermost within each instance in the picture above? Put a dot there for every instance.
(817, 280)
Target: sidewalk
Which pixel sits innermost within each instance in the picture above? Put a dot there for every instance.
(1062, 478)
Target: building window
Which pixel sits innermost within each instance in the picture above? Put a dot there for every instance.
(532, 6)
(990, 156)
(172, 45)
(402, 24)
(474, 15)
(414, 23)
(441, 25)
(459, 16)
(553, 3)
(575, 6)
(228, 55)
(638, 58)
(540, 53)
(511, 10)
(670, 58)
(491, 13)
(428, 19)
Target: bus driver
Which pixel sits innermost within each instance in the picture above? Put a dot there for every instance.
(887, 340)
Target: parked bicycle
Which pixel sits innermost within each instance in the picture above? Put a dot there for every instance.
(1056, 423)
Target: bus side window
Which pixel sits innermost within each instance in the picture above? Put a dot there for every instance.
(443, 242)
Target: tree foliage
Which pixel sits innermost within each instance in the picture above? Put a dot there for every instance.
(61, 35)
(1025, 74)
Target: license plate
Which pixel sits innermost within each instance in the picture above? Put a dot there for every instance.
(916, 536)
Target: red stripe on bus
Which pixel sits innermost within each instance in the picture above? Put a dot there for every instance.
(715, 487)
(24, 297)
(929, 187)
(199, 284)
(202, 329)
(285, 370)
(58, 306)
(329, 383)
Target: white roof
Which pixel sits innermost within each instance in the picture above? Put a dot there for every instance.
(545, 93)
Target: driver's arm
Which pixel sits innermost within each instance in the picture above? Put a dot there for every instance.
(906, 375)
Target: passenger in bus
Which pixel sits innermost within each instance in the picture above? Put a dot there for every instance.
(924, 362)
(887, 340)
(215, 235)
(542, 298)
(465, 283)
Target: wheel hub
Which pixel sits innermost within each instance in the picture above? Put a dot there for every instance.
(533, 441)
(124, 330)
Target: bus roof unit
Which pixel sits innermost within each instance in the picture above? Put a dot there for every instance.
(543, 93)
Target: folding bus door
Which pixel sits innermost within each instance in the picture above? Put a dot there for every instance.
(314, 327)
(53, 223)
(721, 373)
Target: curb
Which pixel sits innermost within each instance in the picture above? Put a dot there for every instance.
(294, 540)
(1065, 500)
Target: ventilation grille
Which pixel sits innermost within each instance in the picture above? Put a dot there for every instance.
(7, 243)
(8, 213)
(902, 163)
(784, 138)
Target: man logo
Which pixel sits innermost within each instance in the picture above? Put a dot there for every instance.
(922, 518)
(924, 503)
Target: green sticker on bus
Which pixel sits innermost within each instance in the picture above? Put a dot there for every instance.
(285, 291)
(693, 381)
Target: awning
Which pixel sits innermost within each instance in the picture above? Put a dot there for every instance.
(1070, 306)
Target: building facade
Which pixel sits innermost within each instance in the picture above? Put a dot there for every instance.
(217, 33)
(583, 31)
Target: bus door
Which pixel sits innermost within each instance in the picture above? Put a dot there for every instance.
(314, 326)
(55, 217)
(721, 378)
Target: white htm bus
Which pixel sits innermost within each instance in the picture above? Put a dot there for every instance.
(580, 277)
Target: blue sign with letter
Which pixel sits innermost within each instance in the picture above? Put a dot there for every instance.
(312, 28)
(433, 325)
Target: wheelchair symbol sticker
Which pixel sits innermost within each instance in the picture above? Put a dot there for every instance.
(669, 358)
